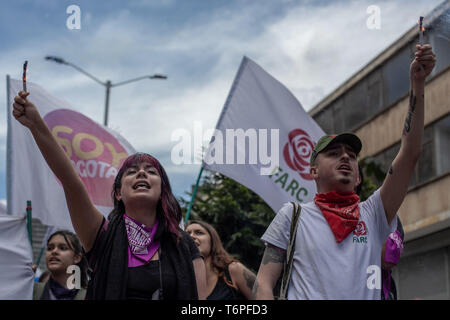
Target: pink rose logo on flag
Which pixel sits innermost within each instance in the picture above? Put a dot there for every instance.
(298, 151)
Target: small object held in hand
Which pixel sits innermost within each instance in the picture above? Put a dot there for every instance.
(24, 77)
(421, 30)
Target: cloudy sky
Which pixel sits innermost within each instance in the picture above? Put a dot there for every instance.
(310, 46)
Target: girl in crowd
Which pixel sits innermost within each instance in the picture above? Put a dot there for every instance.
(226, 277)
(63, 250)
(139, 252)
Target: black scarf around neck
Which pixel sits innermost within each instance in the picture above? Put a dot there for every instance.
(109, 279)
(60, 292)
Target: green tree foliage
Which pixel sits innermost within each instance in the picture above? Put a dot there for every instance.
(373, 176)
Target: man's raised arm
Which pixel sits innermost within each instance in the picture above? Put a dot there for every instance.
(395, 186)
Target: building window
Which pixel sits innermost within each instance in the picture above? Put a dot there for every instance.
(439, 37)
(339, 116)
(396, 76)
(434, 159)
(356, 106)
(325, 120)
(442, 138)
(374, 93)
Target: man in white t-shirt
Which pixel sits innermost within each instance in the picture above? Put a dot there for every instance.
(339, 238)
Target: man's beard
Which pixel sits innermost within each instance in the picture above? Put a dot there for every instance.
(344, 180)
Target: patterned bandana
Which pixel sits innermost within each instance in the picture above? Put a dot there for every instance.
(340, 210)
(141, 248)
(394, 247)
(392, 252)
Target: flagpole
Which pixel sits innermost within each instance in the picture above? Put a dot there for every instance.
(193, 195)
(48, 233)
(29, 222)
(8, 146)
(38, 261)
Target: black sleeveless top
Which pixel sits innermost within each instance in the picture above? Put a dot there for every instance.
(112, 279)
(222, 291)
(144, 282)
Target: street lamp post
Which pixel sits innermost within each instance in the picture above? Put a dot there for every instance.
(108, 88)
(108, 84)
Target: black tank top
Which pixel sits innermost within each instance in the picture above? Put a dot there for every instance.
(144, 280)
(222, 291)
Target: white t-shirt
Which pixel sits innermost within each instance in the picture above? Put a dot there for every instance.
(325, 269)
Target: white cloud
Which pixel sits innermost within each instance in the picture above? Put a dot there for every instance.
(150, 3)
(154, 120)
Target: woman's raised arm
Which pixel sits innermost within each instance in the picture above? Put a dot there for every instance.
(86, 219)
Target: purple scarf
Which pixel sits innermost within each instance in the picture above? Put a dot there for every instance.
(141, 247)
(60, 292)
(392, 253)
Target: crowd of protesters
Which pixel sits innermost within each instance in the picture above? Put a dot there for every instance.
(140, 252)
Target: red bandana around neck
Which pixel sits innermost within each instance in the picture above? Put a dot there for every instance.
(340, 210)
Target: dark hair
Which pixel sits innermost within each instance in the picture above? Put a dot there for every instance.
(75, 245)
(220, 258)
(168, 209)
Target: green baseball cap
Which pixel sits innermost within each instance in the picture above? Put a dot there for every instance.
(347, 138)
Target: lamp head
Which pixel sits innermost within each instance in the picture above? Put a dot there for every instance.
(56, 59)
(158, 76)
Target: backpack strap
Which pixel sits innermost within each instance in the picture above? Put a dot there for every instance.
(38, 289)
(287, 268)
(81, 294)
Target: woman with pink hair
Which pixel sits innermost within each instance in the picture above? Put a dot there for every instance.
(139, 252)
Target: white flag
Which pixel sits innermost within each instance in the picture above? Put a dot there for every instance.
(264, 139)
(16, 275)
(96, 152)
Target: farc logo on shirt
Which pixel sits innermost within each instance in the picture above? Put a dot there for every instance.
(360, 233)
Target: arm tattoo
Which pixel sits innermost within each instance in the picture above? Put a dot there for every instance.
(391, 171)
(273, 254)
(412, 107)
(249, 278)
